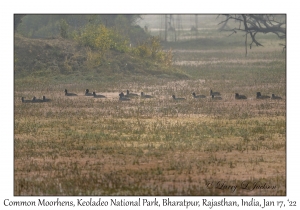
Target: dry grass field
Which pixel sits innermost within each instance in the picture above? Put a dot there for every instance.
(85, 146)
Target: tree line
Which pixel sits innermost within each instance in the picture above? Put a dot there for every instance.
(67, 26)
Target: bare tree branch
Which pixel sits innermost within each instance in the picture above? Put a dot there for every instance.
(254, 24)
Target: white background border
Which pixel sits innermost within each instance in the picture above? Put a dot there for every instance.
(8, 9)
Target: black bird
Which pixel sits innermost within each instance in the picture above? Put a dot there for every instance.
(123, 98)
(214, 93)
(213, 97)
(145, 96)
(46, 99)
(177, 98)
(259, 96)
(98, 96)
(35, 100)
(87, 93)
(275, 97)
(238, 96)
(25, 101)
(69, 94)
(130, 94)
(198, 96)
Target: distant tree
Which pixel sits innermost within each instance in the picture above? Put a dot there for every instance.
(65, 25)
(255, 24)
(64, 28)
(111, 19)
(17, 20)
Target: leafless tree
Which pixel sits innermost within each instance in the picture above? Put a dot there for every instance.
(254, 24)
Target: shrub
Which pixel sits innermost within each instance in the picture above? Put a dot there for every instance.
(152, 49)
(98, 37)
(64, 28)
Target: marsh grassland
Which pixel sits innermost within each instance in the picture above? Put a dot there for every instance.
(158, 146)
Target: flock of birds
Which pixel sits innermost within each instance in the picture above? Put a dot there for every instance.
(217, 96)
(128, 95)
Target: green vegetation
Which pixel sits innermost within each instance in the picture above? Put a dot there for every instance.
(157, 146)
(102, 39)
